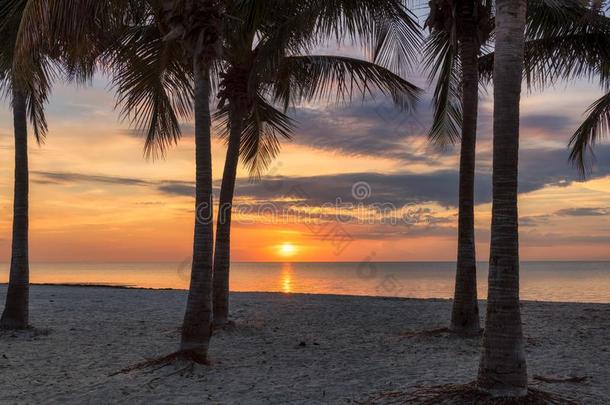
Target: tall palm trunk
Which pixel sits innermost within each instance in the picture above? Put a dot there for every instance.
(222, 252)
(197, 326)
(16, 312)
(465, 314)
(502, 370)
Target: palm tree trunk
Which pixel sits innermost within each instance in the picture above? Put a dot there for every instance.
(465, 314)
(222, 253)
(502, 370)
(197, 326)
(16, 312)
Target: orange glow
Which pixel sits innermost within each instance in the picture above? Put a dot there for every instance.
(94, 198)
(287, 249)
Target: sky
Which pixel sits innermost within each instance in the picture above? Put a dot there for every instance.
(356, 182)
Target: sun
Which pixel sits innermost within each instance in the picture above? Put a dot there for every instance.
(287, 249)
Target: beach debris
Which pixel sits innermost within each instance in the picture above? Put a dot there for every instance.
(29, 333)
(557, 379)
(426, 333)
(440, 332)
(189, 356)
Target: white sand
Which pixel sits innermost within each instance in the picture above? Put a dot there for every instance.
(354, 348)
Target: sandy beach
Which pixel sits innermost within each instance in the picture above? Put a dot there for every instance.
(286, 348)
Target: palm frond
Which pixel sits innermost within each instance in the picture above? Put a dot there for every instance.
(260, 140)
(595, 127)
(565, 39)
(70, 30)
(41, 64)
(554, 18)
(38, 91)
(397, 43)
(486, 67)
(442, 64)
(386, 28)
(154, 87)
(339, 79)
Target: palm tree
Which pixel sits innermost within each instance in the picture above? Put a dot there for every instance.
(502, 370)
(459, 30)
(161, 64)
(196, 26)
(551, 48)
(27, 101)
(263, 64)
(16, 311)
(155, 53)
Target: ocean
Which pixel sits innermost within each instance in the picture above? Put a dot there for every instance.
(542, 281)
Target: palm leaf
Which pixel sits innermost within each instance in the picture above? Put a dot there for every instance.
(260, 140)
(74, 30)
(442, 64)
(154, 88)
(41, 63)
(386, 28)
(397, 43)
(595, 127)
(326, 77)
(565, 39)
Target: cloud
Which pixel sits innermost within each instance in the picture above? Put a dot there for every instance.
(583, 212)
(538, 168)
(372, 128)
(536, 220)
(68, 177)
(376, 129)
(177, 188)
(397, 189)
(554, 238)
(547, 122)
(170, 187)
(533, 221)
(388, 232)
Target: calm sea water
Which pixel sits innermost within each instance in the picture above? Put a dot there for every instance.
(547, 281)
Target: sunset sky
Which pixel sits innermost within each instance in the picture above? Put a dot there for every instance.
(94, 197)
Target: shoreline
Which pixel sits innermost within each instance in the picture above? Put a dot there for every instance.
(381, 297)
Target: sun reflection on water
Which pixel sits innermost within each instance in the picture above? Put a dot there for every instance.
(286, 277)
